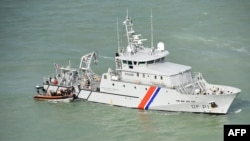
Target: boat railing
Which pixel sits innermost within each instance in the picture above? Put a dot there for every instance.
(195, 86)
(46, 79)
(61, 81)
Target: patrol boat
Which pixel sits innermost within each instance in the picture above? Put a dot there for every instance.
(144, 79)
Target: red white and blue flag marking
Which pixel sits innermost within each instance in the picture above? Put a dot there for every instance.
(149, 97)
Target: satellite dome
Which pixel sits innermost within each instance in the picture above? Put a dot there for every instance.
(160, 46)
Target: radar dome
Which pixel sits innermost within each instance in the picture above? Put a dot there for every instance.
(160, 46)
(129, 49)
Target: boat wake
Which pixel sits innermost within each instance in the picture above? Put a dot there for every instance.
(214, 42)
(106, 57)
(242, 50)
(237, 111)
(166, 113)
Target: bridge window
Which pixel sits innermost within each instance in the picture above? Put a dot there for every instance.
(157, 60)
(124, 61)
(150, 62)
(129, 62)
(130, 65)
(142, 63)
(162, 59)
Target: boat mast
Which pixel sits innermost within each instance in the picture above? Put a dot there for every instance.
(126, 26)
(118, 42)
(152, 36)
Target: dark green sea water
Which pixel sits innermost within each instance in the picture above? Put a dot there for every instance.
(211, 36)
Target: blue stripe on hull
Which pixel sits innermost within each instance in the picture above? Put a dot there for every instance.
(153, 97)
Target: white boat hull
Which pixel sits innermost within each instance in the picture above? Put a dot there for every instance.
(155, 98)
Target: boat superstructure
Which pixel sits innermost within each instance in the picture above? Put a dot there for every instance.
(144, 79)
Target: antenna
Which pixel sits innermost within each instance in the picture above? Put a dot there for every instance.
(127, 14)
(118, 42)
(69, 63)
(152, 36)
(126, 27)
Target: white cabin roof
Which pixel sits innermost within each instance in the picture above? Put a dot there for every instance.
(165, 68)
(168, 68)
